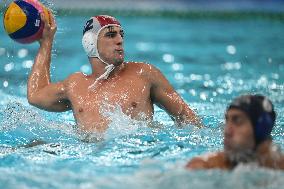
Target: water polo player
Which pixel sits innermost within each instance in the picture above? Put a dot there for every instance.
(134, 87)
(247, 136)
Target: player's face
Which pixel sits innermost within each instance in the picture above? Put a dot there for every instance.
(238, 133)
(110, 45)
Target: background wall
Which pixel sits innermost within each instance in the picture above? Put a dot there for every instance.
(177, 5)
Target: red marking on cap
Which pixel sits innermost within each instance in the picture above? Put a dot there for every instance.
(103, 20)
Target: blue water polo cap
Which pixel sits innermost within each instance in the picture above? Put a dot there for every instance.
(260, 111)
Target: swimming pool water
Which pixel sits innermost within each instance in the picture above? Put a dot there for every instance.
(208, 61)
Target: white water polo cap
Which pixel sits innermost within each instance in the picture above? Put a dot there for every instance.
(91, 31)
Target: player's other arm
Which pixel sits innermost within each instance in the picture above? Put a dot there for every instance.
(164, 95)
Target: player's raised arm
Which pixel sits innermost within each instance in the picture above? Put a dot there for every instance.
(41, 92)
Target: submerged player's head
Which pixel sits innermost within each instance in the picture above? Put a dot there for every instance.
(249, 122)
(103, 39)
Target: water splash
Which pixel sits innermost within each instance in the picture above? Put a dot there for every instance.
(120, 123)
(15, 114)
(21, 124)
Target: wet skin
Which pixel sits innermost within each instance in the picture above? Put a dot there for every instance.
(135, 87)
(130, 90)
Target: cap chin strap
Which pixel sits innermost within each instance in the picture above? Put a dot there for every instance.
(108, 69)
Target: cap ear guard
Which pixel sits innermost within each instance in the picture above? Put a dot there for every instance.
(263, 127)
(88, 42)
(89, 39)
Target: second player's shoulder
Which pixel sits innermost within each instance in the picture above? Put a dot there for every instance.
(210, 160)
(196, 163)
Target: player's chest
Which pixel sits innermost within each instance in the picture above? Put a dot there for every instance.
(114, 91)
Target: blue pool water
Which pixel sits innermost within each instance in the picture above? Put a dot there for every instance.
(208, 61)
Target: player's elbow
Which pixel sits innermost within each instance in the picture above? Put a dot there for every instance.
(33, 100)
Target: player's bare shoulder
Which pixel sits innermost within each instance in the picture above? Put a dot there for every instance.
(141, 68)
(74, 79)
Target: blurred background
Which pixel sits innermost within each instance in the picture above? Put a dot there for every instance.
(168, 5)
(175, 5)
(210, 50)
